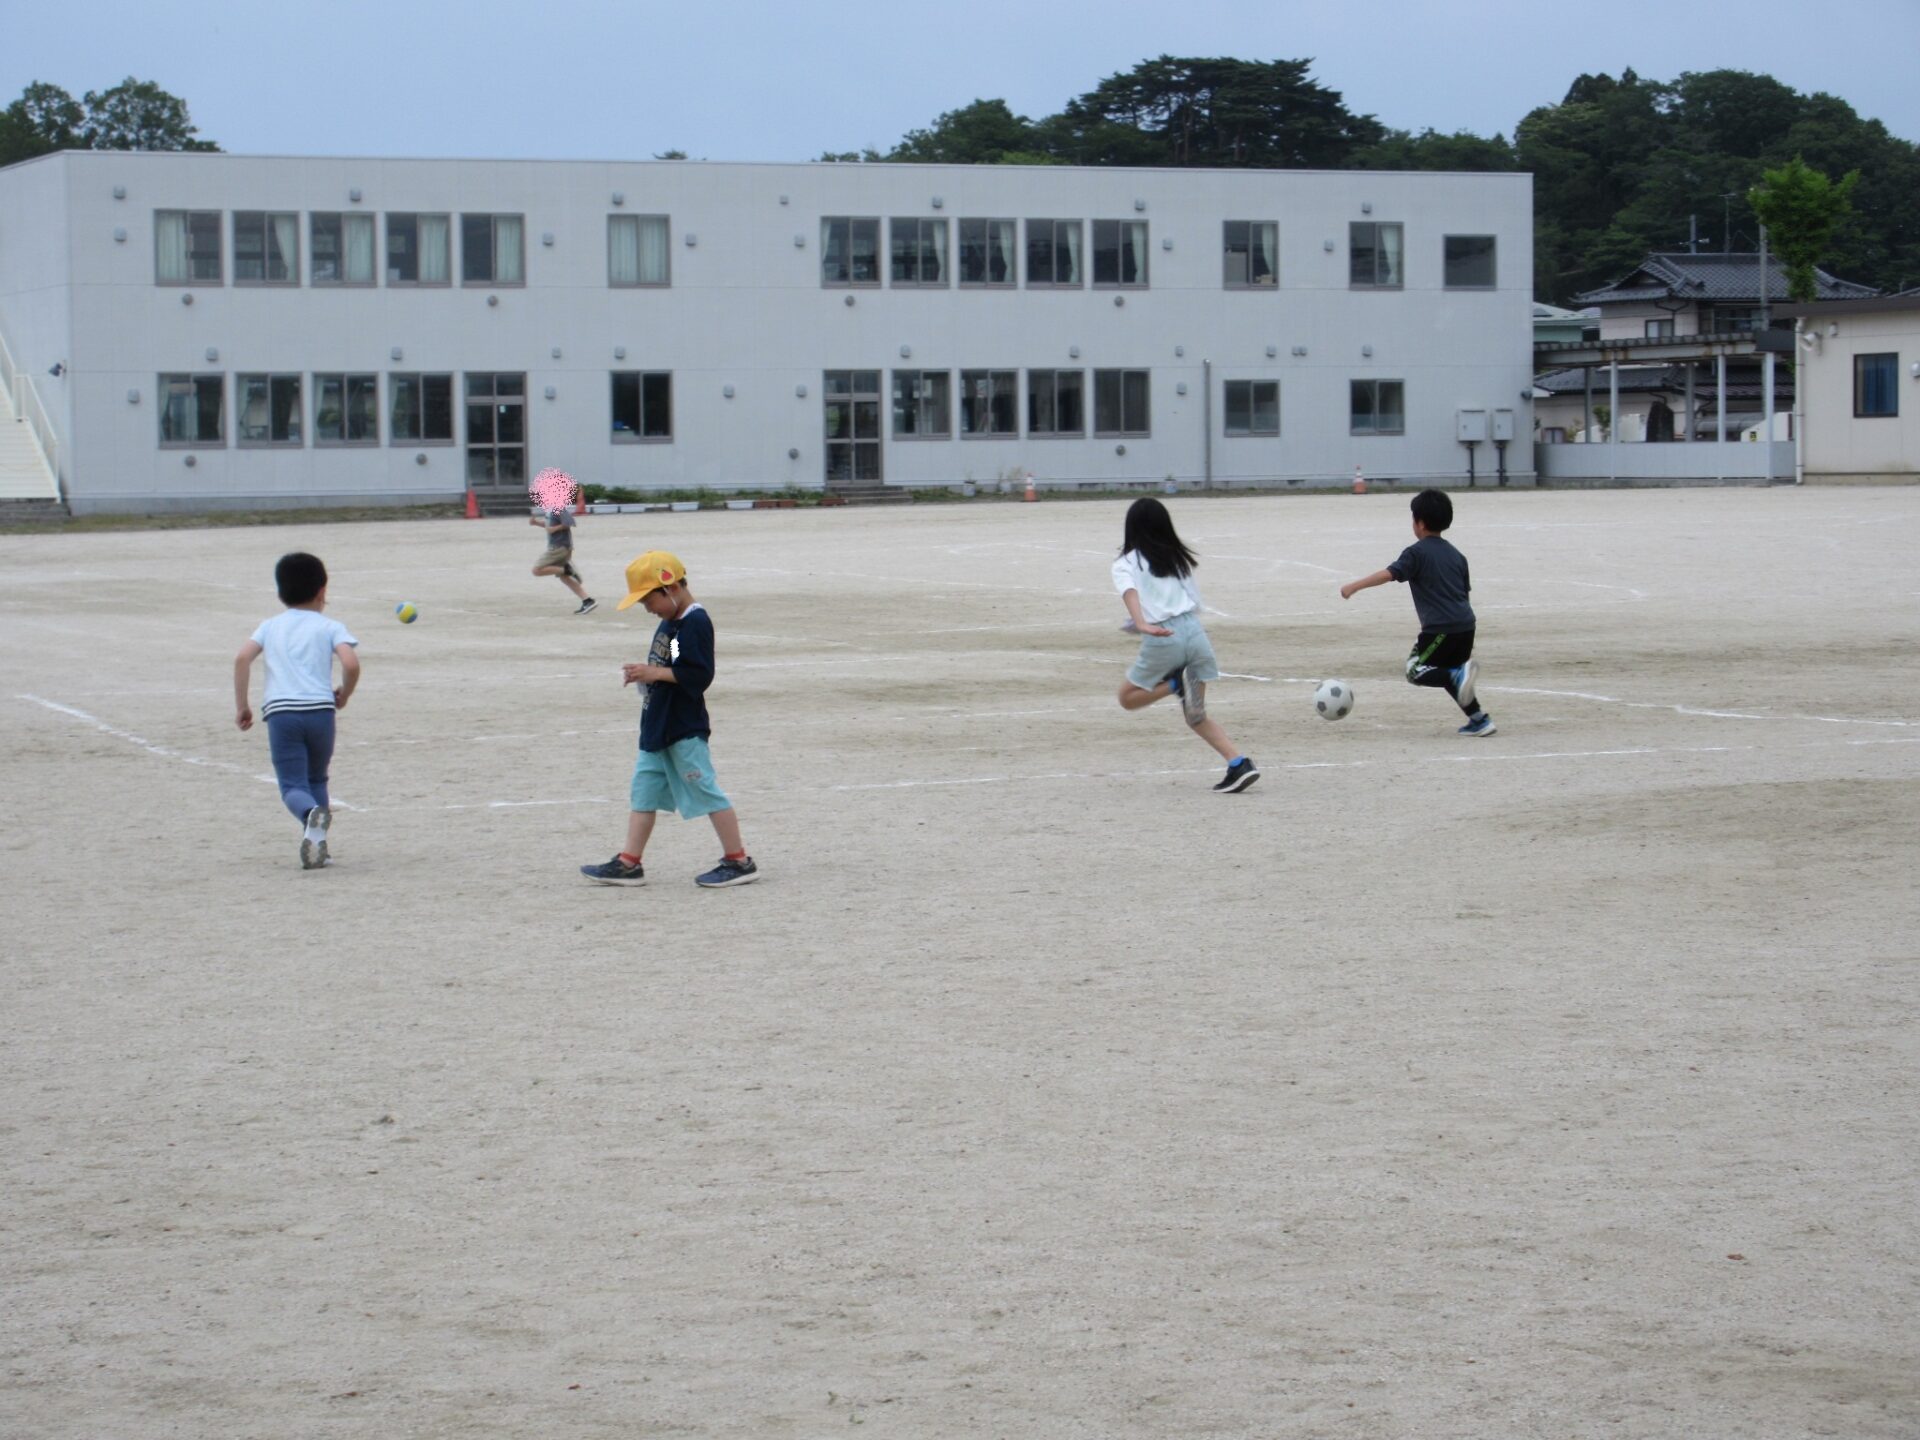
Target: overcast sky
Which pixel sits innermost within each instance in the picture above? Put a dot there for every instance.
(782, 80)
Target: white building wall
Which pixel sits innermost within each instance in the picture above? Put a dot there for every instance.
(35, 290)
(746, 309)
(1838, 443)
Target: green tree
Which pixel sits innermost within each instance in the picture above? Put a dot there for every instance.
(983, 133)
(139, 115)
(45, 118)
(1430, 150)
(1801, 209)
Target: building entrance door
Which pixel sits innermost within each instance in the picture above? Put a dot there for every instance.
(496, 429)
(852, 413)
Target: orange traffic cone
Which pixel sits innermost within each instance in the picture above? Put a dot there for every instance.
(579, 499)
(1359, 482)
(1030, 495)
(473, 506)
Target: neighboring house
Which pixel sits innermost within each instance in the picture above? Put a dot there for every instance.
(1673, 294)
(1860, 402)
(228, 330)
(1553, 325)
(1653, 402)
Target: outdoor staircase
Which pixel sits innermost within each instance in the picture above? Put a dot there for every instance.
(869, 493)
(28, 490)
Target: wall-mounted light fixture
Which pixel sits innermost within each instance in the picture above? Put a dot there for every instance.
(133, 397)
(397, 353)
(552, 393)
(556, 352)
(119, 192)
(800, 392)
(727, 390)
(492, 300)
(619, 197)
(1272, 350)
(619, 352)
(354, 196)
(120, 234)
(212, 354)
(546, 237)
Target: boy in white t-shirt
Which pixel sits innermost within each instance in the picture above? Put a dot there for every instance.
(300, 700)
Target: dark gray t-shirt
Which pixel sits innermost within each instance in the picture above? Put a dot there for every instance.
(561, 539)
(1438, 574)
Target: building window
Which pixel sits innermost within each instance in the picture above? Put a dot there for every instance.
(987, 249)
(1253, 255)
(1253, 407)
(1120, 253)
(193, 410)
(1053, 253)
(1876, 385)
(1374, 256)
(266, 247)
(419, 250)
(850, 418)
(922, 405)
(186, 247)
(340, 248)
(1378, 407)
(1120, 405)
(918, 251)
(422, 409)
(493, 250)
(849, 250)
(1660, 329)
(346, 410)
(637, 250)
(269, 408)
(1056, 402)
(1469, 262)
(1728, 319)
(496, 429)
(642, 405)
(989, 402)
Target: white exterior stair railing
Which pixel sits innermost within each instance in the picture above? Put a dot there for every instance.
(29, 448)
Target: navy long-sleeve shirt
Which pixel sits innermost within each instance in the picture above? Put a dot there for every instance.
(671, 712)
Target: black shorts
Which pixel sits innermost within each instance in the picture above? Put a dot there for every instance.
(1440, 650)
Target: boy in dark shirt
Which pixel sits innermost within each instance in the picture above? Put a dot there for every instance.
(1443, 655)
(674, 770)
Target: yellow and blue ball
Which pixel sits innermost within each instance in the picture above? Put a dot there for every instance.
(406, 612)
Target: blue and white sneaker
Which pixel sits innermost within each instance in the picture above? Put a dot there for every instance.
(729, 872)
(1463, 678)
(1481, 724)
(616, 872)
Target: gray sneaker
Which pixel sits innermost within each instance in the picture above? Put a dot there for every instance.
(313, 852)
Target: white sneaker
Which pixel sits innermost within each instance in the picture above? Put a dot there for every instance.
(313, 840)
(1463, 679)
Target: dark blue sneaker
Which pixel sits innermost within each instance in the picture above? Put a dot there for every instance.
(1242, 773)
(1481, 724)
(616, 872)
(1172, 680)
(729, 872)
(1463, 678)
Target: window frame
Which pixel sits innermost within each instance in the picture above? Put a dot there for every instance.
(666, 225)
(1012, 282)
(193, 379)
(944, 249)
(420, 377)
(1353, 390)
(386, 250)
(1119, 253)
(1253, 387)
(314, 217)
(1272, 282)
(879, 253)
(219, 277)
(994, 378)
(1055, 390)
(347, 379)
(296, 411)
(1120, 373)
(919, 404)
(1657, 328)
(1053, 251)
(492, 281)
(1892, 359)
(640, 435)
(266, 218)
(1353, 229)
(1447, 262)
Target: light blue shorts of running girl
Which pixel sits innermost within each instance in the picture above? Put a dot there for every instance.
(1186, 648)
(679, 777)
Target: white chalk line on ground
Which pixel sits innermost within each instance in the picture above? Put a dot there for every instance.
(1693, 710)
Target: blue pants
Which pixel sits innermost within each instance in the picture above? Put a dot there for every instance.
(301, 742)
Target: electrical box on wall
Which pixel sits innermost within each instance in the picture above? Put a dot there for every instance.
(1503, 425)
(1472, 426)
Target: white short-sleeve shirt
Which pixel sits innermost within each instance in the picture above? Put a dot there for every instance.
(299, 650)
(1161, 596)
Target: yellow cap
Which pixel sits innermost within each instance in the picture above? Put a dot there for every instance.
(652, 571)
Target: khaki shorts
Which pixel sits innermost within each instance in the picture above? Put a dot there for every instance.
(555, 555)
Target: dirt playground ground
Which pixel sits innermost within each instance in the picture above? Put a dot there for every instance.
(1562, 1083)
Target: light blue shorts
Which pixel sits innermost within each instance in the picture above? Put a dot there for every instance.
(679, 777)
(1187, 647)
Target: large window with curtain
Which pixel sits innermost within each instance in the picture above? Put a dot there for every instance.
(269, 409)
(340, 249)
(1120, 403)
(988, 250)
(922, 405)
(346, 409)
(918, 250)
(1252, 250)
(990, 403)
(637, 250)
(421, 409)
(493, 250)
(266, 247)
(419, 249)
(192, 411)
(1377, 407)
(1053, 254)
(850, 250)
(1120, 253)
(186, 247)
(642, 405)
(1374, 255)
(1056, 403)
(1876, 385)
(1252, 407)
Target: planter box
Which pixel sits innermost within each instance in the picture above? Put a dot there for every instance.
(833, 499)
(773, 504)
(740, 504)
(686, 505)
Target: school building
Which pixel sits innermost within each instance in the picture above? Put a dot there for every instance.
(190, 331)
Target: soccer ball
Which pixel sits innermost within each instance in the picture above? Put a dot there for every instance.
(1334, 699)
(405, 612)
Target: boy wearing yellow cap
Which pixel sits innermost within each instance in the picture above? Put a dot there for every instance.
(674, 770)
